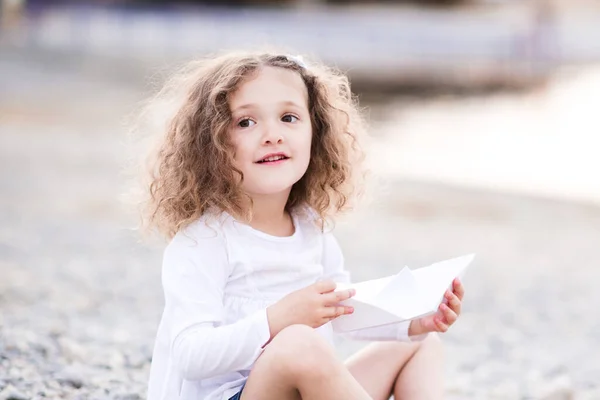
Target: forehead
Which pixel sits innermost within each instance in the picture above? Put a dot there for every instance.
(270, 85)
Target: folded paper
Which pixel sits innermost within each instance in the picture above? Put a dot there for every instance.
(407, 295)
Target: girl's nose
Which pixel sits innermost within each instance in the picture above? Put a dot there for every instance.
(272, 135)
(273, 140)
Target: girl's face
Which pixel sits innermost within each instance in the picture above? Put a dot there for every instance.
(271, 131)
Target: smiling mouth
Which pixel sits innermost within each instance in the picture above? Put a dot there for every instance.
(272, 159)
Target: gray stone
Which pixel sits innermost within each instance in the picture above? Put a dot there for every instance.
(127, 396)
(559, 394)
(561, 388)
(52, 384)
(72, 350)
(71, 377)
(12, 393)
(136, 360)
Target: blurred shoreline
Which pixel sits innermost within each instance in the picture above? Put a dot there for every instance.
(477, 141)
(385, 46)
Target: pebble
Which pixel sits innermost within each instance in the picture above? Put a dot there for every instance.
(137, 360)
(127, 396)
(12, 393)
(559, 394)
(70, 376)
(71, 350)
(560, 388)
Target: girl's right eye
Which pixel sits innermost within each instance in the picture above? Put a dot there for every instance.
(246, 123)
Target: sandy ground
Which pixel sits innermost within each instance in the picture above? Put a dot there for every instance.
(80, 296)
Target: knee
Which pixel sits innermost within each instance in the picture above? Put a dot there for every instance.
(300, 342)
(432, 339)
(298, 338)
(300, 351)
(432, 342)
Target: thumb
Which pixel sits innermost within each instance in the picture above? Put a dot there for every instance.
(325, 286)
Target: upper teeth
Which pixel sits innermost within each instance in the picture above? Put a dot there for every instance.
(273, 158)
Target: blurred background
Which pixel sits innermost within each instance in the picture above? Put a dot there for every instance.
(485, 130)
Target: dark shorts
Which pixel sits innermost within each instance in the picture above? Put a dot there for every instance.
(238, 395)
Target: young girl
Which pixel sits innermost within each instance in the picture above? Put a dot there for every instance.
(263, 151)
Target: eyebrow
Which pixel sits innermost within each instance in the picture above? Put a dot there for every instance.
(250, 106)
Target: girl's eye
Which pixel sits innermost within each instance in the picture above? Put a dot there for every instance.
(246, 123)
(289, 118)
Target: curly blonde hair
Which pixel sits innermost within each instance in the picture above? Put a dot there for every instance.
(191, 170)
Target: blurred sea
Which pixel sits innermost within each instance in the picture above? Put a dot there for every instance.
(385, 45)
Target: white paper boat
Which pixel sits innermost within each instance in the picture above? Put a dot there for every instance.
(405, 296)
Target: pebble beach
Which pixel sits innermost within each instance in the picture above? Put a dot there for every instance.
(80, 293)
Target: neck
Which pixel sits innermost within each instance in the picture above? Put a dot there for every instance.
(270, 216)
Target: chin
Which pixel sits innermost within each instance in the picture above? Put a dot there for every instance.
(271, 188)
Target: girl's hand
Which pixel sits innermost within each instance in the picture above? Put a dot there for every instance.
(447, 313)
(314, 306)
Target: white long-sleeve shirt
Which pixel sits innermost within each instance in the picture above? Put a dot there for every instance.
(219, 276)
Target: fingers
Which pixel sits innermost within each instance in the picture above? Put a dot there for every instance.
(458, 288)
(440, 325)
(325, 286)
(337, 311)
(334, 298)
(448, 316)
(453, 302)
(329, 300)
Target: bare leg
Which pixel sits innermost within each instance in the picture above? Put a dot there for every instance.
(423, 377)
(300, 364)
(406, 370)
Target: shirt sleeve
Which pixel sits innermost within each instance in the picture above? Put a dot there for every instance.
(333, 264)
(194, 275)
